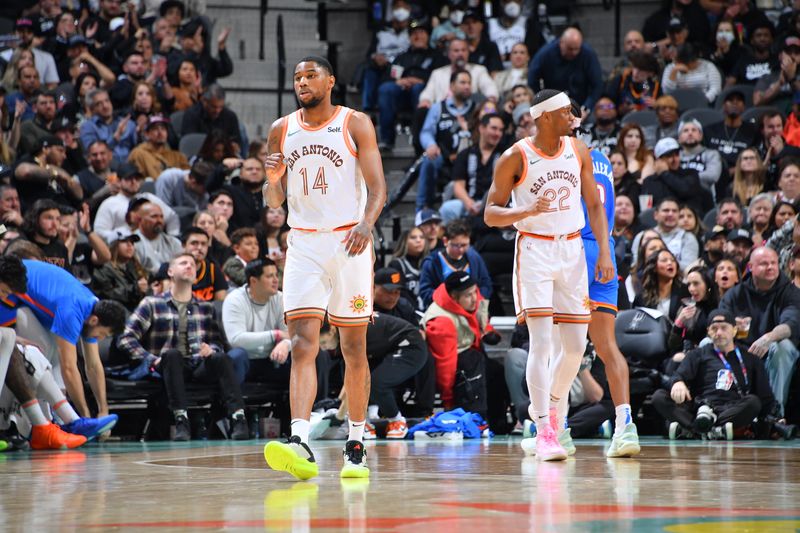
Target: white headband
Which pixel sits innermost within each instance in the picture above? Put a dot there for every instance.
(556, 101)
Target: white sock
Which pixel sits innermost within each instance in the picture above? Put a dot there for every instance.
(34, 413)
(51, 392)
(398, 416)
(356, 430)
(623, 417)
(372, 412)
(300, 428)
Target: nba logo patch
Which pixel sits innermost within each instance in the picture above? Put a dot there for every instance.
(724, 379)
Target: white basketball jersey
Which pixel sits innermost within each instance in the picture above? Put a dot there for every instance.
(324, 186)
(557, 178)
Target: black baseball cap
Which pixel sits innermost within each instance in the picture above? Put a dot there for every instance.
(720, 315)
(389, 278)
(740, 234)
(715, 232)
(676, 24)
(459, 281)
(128, 171)
(473, 13)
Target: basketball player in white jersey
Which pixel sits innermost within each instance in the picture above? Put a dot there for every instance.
(546, 176)
(324, 161)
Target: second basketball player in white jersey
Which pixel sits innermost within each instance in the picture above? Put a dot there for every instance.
(546, 176)
(324, 161)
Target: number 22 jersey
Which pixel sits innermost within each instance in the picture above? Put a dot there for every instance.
(557, 178)
(325, 188)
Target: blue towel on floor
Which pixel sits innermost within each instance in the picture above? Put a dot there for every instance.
(457, 420)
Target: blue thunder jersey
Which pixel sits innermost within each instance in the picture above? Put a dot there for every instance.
(605, 188)
(602, 295)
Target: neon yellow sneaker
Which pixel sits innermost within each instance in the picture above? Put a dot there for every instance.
(3, 445)
(355, 460)
(292, 456)
(626, 443)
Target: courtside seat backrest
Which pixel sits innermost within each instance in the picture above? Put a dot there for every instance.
(641, 338)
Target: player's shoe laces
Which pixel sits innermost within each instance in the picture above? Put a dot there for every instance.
(396, 429)
(355, 460)
(91, 427)
(625, 443)
(292, 456)
(548, 447)
(52, 437)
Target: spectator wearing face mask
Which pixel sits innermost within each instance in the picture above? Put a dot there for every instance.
(449, 28)
(387, 44)
(508, 29)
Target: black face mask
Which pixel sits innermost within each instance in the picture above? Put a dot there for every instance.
(605, 121)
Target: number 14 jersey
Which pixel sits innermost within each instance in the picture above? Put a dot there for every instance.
(557, 178)
(325, 188)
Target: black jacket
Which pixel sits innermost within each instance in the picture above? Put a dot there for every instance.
(778, 305)
(418, 63)
(683, 184)
(389, 334)
(702, 371)
(196, 120)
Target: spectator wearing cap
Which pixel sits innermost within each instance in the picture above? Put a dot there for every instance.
(34, 130)
(604, 132)
(473, 169)
(405, 80)
(40, 175)
(508, 30)
(45, 64)
(439, 83)
(456, 323)
(779, 86)
(732, 135)
(155, 246)
(680, 242)
(482, 49)
(690, 14)
(122, 279)
(670, 180)
(210, 114)
(524, 125)
(195, 45)
(185, 190)
(430, 222)
(689, 71)
(516, 73)
(738, 244)
(677, 36)
(64, 129)
(119, 133)
(713, 244)
(27, 88)
(387, 295)
(757, 61)
(772, 304)
(154, 156)
(568, 64)
(387, 44)
(718, 388)
(97, 180)
(637, 87)
(112, 213)
(694, 156)
(455, 256)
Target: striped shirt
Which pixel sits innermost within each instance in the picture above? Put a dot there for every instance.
(705, 77)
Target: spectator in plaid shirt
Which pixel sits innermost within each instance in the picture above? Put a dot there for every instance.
(178, 336)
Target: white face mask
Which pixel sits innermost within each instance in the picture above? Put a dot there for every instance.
(456, 17)
(726, 36)
(401, 14)
(512, 10)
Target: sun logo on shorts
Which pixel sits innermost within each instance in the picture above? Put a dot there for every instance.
(587, 303)
(358, 304)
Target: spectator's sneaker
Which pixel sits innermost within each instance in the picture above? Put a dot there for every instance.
(704, 419)
(183, 431)
(91, 427)
(626, 443)
(396, 429)
(241, 431)
(518, 428)
(355, 460)
(548, 447)
(292, 456)
(369, 431)
(528, 429)
(606, 430)
(337, 430)
(52, 437)
(724, 432)
(677, 432)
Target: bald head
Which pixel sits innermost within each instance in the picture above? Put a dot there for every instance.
(152, 220)
(764, 267)
(570, 43)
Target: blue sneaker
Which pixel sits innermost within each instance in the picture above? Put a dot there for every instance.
(91, 427)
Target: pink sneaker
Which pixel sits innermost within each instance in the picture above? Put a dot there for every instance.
(548, 447)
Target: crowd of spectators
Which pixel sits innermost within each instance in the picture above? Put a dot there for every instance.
(175, 257)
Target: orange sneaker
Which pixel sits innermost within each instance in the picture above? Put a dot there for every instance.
(397, 429)
(369, 432)
(52, 437)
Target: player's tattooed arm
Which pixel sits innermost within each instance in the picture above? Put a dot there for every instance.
(274, 189)
(507, 172)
